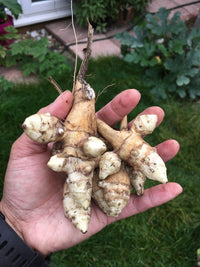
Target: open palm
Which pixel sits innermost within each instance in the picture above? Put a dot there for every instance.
(32, 196)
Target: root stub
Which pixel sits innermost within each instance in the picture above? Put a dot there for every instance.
(103, 168)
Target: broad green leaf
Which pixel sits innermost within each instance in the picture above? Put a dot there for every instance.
(194, 93)
(192, 72)
(163, 49)
(182, 80)
(176, 46)
(133, 57)
(11, 61)
(13, 6)
(193, 57)
(175, 65)
(5, 84)
(159, 91)
(182, 93)
(17, 49)
(11, 33)
(139, 39)
(29, 67)
(176, 25)
(130, 40)
(125, 38)
(10, 29)
(193, 37)
(171, 87)
(2, 52)
(158, 23)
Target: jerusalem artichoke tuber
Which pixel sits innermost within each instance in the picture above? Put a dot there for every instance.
(79, 152)
(113, 193)
(131, 147)
(78, 145)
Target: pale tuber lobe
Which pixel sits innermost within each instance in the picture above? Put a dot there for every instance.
(113, 193)
(131, 147)
(137, 179)
(79, 216)
(43, 128)
(109, 164)
(78, 147)
(91, 170)
(145, 124)
(94, 147)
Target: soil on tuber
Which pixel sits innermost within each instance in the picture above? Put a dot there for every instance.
(92, 169)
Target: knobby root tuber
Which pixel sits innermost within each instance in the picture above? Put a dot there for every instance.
(130, 147)
(78, 147)
(92, 169)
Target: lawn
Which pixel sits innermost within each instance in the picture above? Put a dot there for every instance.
(168, 235)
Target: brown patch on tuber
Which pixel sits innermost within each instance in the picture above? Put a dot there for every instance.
(78, 151)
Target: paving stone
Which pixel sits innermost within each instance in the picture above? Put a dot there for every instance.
(156, 4)
(100, 48)
(63, 31)
(186, 12)
(16, 76)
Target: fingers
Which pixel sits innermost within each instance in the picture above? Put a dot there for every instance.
(168, 149)
(120, 106)
(152, 197)
(152, 110)
(60, 107)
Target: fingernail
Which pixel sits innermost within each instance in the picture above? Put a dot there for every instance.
(64, 96)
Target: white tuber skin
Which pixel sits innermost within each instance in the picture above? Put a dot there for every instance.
(94, 147)
(79, 177)
(72, 156)
(43, 128)
(131, 148)
(145, 124)
(77, 152)
(113, 193)
(79, 216)
(137, 180)
(109, 164)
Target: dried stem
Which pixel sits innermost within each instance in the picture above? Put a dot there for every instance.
(58, 89)
(87, 53)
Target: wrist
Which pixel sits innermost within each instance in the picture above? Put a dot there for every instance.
(21, 229)
(11, 221)
(14, 251)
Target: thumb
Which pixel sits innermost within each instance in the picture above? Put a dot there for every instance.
(60, 107)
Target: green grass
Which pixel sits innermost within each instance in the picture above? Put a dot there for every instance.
(168, 235)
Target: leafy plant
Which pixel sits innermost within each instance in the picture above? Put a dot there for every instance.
(12, 5)
(35, 57)
(11, 34)
(5, 84)
(100, 13)
(139, 5)
(169, 54)
(103, 13)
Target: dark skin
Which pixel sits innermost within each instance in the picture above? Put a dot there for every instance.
(32, 194)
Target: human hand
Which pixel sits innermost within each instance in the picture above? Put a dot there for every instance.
(32, 195)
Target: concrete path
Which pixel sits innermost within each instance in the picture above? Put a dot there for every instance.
(103, 44)
(186, 12)
(62, 30)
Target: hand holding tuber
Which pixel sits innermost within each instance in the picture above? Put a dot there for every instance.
(31, 197)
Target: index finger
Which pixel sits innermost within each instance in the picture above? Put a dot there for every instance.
(120, 106)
